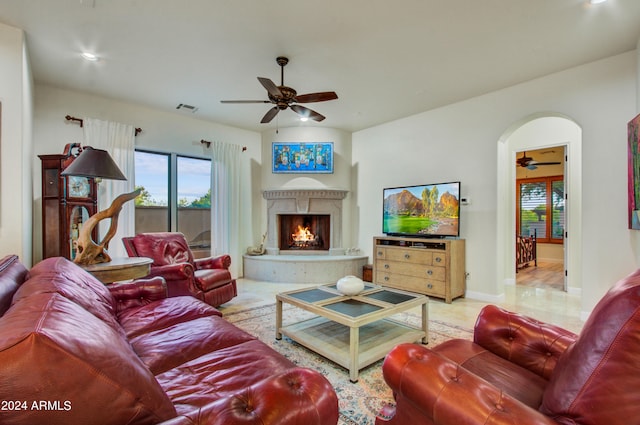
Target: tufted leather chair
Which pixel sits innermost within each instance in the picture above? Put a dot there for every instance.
(518, 370)
(207, 279)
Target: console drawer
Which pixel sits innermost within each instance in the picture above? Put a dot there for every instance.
(413, 256)
(413, 284)
(409, 269)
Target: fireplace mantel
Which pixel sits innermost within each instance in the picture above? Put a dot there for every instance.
(304, 201)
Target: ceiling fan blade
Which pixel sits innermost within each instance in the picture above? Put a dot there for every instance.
(245, 101)
(544, 163)
(306, 112)
(271, 113)
(316, 97)
(270, 86)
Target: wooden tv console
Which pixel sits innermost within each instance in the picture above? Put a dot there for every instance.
(434, 267)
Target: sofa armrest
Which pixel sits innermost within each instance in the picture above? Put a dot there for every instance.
(138, 292)
(218, 262)
(448, 394)
(177, 271)
(527, 342)
(297, 396)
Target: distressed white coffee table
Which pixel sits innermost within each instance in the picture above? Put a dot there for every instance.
(354, 331)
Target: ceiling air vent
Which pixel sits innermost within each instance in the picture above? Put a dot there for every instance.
(186, 107)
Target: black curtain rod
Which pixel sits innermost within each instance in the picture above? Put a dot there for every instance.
(81, 122)
(208, 143)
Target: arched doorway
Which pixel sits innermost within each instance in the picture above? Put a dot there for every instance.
(536, 132)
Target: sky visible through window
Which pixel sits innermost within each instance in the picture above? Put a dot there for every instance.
(152, 173)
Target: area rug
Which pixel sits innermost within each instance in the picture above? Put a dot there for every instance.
(360, 402)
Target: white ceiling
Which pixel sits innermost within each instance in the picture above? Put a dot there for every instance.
(385, 59)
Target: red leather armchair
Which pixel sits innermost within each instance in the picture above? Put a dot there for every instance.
(518, 370)
(207, 279)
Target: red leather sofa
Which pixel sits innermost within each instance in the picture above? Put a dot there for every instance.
(207, 279)
(522, 371)
(73, 351)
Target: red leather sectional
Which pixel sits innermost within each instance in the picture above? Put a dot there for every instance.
(73, 351)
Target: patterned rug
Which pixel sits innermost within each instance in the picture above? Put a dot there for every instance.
(359, 402)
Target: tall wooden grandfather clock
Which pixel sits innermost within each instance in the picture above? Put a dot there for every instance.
(67, 202)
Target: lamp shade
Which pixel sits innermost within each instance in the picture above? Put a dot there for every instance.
(94, 163)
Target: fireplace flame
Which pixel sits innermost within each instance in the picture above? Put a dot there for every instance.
(303, 235)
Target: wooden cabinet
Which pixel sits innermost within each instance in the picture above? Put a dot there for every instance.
(67, 202)
(434, 267)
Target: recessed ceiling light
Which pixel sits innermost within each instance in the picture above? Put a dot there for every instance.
(89, 56)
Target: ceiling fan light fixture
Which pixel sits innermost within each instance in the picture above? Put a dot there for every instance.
(596, 1)
(89, 56)
(304, 119)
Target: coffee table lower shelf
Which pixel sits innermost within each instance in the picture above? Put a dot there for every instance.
(352, 348)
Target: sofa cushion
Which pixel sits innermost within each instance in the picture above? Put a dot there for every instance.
(162, 314)
(12, 274)
(597, 377)
(167, 348)
(51, 349)
(221, 373)
(61, 276)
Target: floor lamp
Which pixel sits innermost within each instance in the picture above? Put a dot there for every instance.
(97, 164)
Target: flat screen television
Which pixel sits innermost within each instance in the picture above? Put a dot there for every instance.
(430, 210)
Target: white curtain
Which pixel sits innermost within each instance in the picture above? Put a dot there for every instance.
(225, 202)
(119, 140)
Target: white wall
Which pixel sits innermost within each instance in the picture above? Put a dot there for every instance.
(459, 142)
(161, 131)
(15, 145)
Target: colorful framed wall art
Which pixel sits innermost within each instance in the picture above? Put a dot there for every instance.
(633, 188)
(302, 157)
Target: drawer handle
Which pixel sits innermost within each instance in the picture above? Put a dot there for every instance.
(430, 286)
(379, 253)
(407, 256)
(429, 272)
(386, 266)
(438, 259)
(386, 278)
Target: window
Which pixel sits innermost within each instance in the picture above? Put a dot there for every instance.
(540, 208)
(194, 202)
(152, 206)
(176, 196)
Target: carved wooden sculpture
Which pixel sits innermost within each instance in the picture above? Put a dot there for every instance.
(88, 252)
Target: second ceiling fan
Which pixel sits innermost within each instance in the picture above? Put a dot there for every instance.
(284, 97)
(530, 163)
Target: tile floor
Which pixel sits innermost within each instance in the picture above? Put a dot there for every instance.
(545, 304)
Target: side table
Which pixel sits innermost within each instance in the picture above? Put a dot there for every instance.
(120, 268)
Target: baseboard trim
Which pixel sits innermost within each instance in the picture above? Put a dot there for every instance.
(483, 296)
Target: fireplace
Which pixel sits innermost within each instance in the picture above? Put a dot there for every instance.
(304, 232)
(317, 256)
(318, 209)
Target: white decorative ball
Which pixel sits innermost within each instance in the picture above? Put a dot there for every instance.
(350, 285)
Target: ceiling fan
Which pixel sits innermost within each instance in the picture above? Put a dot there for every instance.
(284, 97)
(528, 162)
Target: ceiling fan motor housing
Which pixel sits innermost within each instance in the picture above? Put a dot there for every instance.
(288, 95)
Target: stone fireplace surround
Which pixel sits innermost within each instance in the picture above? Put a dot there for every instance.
(306, 266)
(305, 201)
